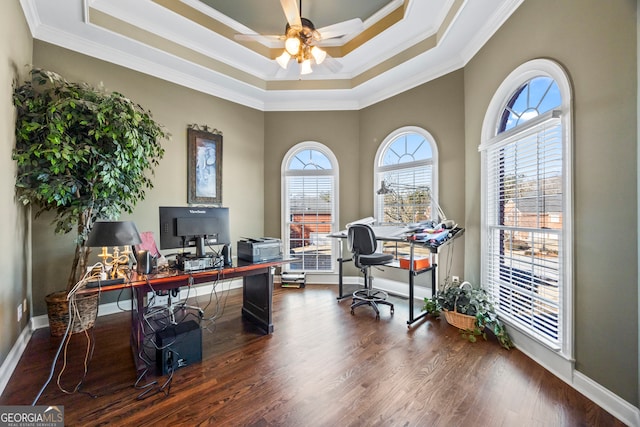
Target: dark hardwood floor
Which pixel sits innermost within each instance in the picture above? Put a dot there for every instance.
(321, 367)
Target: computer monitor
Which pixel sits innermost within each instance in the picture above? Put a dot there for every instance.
(183, 227)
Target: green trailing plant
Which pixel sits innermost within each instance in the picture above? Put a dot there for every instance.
(83, 153)
(471, 301)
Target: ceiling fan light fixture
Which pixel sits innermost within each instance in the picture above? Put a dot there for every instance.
(283, 60)
(318, 54)
(292, 45)
(305, 67)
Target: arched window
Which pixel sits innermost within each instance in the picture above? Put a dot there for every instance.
(406, 182)
(405, 179)
(310, 206)
(526, 218)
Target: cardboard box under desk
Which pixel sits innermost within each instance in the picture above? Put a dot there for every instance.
(419, 263)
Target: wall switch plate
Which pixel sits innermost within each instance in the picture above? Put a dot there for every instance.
(19, 312)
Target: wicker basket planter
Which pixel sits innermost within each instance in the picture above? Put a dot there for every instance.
(455, 301)
(58, 312)
(460, 321)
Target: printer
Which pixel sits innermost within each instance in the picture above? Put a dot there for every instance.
(260, 249)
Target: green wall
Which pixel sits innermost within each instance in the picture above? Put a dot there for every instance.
(15, 51)
(175, 107)
(596, 43)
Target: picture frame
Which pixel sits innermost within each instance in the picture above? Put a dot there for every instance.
(204, 169)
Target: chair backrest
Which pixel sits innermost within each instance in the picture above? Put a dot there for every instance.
(361, 240)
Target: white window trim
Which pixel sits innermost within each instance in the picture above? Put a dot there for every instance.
(522, 74)
(311, 145)
(433, 161)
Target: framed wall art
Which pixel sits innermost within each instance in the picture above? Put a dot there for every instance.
(204, 165)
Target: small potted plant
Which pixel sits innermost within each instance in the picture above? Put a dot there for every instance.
(469, 309)
(83, 153)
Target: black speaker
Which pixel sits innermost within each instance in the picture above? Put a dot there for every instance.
(143, 262)
(178, 346)
(226, 255)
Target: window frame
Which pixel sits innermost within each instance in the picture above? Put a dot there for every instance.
(379, 169)
(284, 198)
(516, 79)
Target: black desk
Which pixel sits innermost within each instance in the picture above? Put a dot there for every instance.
(257, 294)
(433, 248)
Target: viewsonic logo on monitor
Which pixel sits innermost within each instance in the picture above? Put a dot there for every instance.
(193, 211)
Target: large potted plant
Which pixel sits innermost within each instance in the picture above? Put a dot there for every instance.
(82, 153)
(470, 309)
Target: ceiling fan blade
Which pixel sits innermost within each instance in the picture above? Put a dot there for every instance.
(341, 28)
(292, 13)
(332, 64)
(258, 38)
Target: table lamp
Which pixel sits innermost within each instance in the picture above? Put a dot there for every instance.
(116, 234)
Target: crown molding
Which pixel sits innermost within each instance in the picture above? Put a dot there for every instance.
(363, 81)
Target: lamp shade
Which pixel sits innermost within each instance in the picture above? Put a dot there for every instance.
(283, 60)
(318, 54)
(305, 67)
(292, 45)
(113, 233)
(384, 188)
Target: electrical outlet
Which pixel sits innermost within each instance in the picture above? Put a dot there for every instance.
(19, 312)
(154, 300)
(455, 279)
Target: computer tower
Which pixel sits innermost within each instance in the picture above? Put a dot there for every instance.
(178, 346)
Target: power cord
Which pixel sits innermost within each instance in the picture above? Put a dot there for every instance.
(73, 313)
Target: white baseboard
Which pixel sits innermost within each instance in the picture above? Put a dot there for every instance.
(392, 286)
(612, 403)
(11, 362)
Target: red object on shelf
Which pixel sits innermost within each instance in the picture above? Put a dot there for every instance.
(419, 263)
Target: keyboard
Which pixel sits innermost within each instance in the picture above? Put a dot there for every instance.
(103, 283)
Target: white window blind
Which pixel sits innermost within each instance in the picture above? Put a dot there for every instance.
(522, 265)
(310, 217)
(410, 197)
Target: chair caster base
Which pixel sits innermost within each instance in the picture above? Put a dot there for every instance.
(373, 302)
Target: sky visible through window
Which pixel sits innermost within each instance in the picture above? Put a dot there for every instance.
(407, 148)
(536, 97)
(310, 159)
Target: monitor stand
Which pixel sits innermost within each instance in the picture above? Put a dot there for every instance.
(200, 249)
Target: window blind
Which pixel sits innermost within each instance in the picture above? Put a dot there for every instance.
(524, 219)
(410, 199)
(309, 218)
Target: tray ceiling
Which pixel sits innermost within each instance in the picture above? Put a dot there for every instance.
(404, 43)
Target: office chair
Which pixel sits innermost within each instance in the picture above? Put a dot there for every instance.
(362, 242)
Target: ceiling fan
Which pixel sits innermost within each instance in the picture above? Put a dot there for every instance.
(301, 38)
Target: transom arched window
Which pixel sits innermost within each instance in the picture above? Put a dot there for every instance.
(309, 204)
(526, 215)
(535, 97)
